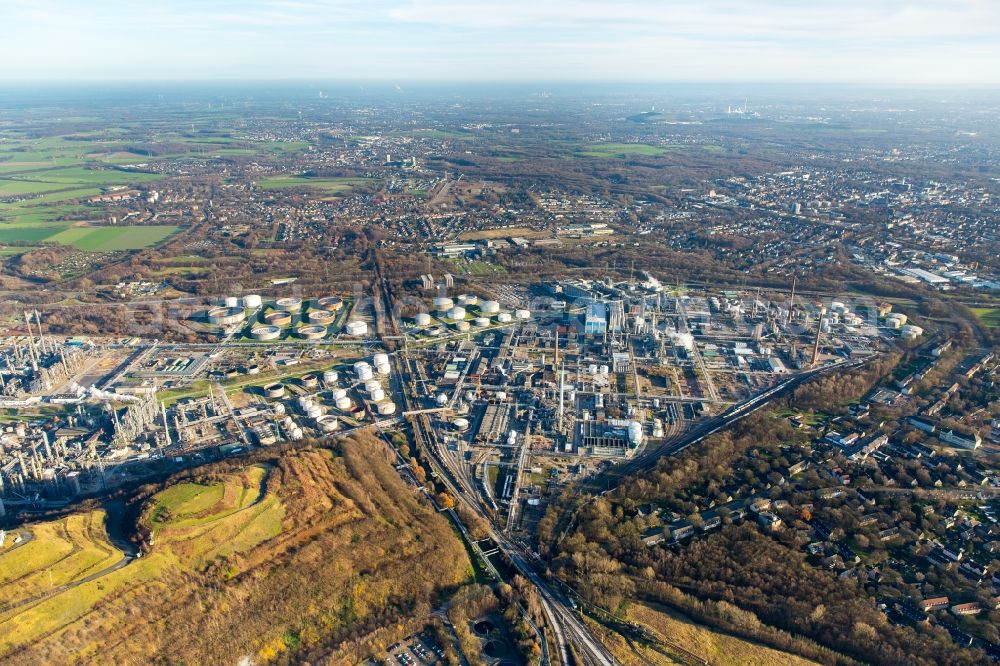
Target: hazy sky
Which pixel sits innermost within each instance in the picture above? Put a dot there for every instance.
(891, 41)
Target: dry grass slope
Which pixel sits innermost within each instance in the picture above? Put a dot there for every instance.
(305, 557)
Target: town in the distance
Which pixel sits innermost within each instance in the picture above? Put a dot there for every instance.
(499, 375)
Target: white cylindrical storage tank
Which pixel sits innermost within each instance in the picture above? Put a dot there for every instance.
(380, 359)
(489, 307)
(251, 301)
(290, 304)
(231, 302)
(324, 317)
(311, 332)
(279, 409)
(343, 403)
(462, 325)
(365, 373)
(604, 370)
(356, 327)
(304, 401)
(522, 314)
(338, 393)
(443, 303)
(377, 395)
(461, 424)
(422, 319)
(275, 390)
(314, 411)
(468, 299)
(265, 333)
(386, 408)
(592, 369)
(456, 312)
(383, 369)
(332, 303)
(224, 316)
(635, 433)
(482, 322)
(911, 332)
(330, 376)
(361, 364)
(504, 317)
(372, 384)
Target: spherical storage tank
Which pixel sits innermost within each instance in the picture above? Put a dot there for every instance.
(226, 315)
(422, 319)
(265, 333)
(356, 328)
(442, 399)
(290, 304)
(443, 303)
(251, 301)
(456, 312)
(490, 307)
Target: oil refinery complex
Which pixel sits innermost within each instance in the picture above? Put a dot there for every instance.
(516, 385)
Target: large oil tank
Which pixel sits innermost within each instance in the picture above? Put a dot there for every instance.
(356, 328)
(489, 307)
(422, 319)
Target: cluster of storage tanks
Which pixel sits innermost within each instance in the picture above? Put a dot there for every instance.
(446, 308)
(895, 320)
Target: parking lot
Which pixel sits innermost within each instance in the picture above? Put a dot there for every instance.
(416, 650)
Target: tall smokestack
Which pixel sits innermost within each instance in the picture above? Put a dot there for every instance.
(819, 330)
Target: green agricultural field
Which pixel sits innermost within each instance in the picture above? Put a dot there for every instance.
(108, 239)
(989, 316)
(11, 233)
(328, 185)
(622, 150)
